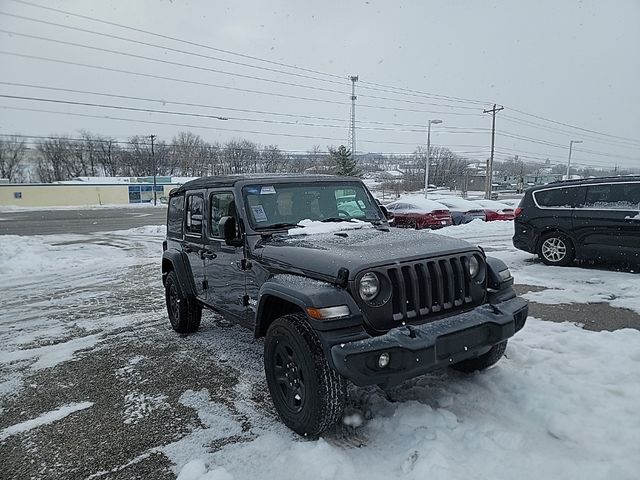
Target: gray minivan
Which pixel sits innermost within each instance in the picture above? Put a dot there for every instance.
(591, 219)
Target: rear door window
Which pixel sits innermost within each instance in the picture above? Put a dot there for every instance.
(612, 196)
(174, 216)
(556, 197)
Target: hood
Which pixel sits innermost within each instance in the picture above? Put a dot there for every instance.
(322, 255)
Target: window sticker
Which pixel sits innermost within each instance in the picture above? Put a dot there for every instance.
(267, 189)
(258, 213)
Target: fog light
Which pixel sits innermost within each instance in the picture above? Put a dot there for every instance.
(383, 360)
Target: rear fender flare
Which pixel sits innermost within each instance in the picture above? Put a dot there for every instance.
(179, 264)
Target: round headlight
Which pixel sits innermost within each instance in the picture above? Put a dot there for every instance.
(369, 286)
(474, 266)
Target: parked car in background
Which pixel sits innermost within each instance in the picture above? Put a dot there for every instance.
(496, 210)
(593, 219)
(462, 210)
(418, 212)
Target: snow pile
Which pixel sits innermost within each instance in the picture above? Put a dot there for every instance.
(556, 406)
(314, 227)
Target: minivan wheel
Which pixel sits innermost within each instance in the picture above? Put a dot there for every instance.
(556, 249)
(308, 395)
(183, 315)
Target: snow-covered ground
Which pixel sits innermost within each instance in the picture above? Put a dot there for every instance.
(561, 404)
(17, 208)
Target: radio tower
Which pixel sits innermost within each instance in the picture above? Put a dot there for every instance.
(352, 129)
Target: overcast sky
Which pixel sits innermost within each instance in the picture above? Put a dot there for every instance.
(575, 62)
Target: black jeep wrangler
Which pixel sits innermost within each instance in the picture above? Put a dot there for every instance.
(310, 263)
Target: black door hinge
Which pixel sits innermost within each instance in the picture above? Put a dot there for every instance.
(245, 301)
(245, 264)
(205, 284)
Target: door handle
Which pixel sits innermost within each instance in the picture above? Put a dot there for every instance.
(208, 254)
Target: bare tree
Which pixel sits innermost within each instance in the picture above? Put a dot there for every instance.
(108, 156)
(12, 153)
(186, 155)
(273, 160)
(55, 155)
(212, 158)
(240, 156)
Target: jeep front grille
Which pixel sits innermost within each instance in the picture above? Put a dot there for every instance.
(429, 287)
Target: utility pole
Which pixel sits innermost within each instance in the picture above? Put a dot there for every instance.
(569, 161)
(426, 166)
(489, 184)
(153, 158)
(352, 131)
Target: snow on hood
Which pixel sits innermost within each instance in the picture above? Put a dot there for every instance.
(314, 227)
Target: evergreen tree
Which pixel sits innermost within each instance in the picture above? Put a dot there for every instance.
(343, 161)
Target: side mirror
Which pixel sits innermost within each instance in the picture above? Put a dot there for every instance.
(229, 231)
(387, 214)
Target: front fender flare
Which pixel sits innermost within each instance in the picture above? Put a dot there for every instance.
(302, 293)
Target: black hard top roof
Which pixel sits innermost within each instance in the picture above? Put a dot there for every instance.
(588, 181)
(231, 180)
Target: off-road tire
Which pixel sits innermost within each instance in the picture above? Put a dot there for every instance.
(323, 392)
(184, 314)
(562, 243)
(483, 361)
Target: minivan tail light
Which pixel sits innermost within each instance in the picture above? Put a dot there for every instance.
(518, 212)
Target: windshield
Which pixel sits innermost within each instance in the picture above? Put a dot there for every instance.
(282, 205)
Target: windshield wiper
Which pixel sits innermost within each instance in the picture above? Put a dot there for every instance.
(279, 225)
(336, 219)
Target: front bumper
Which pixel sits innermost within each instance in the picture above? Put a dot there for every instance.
(415, 350)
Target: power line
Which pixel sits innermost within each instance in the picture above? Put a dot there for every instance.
(556, 130)
(150, 122)
(574, 126)
(217, 107)
(214, 117)
(385, 88)
(169, 62)
(167, 37)
(564, 147)
(171, 49)
(223, 72)
(193, 82)
(294, 67)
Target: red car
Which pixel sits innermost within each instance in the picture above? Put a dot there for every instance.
(496, 210)
(419, 212)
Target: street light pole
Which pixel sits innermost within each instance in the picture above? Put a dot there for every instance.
(426, 167)
(153, 159)
(569, 161)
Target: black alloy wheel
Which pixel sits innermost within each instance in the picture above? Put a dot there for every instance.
(308, 394)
